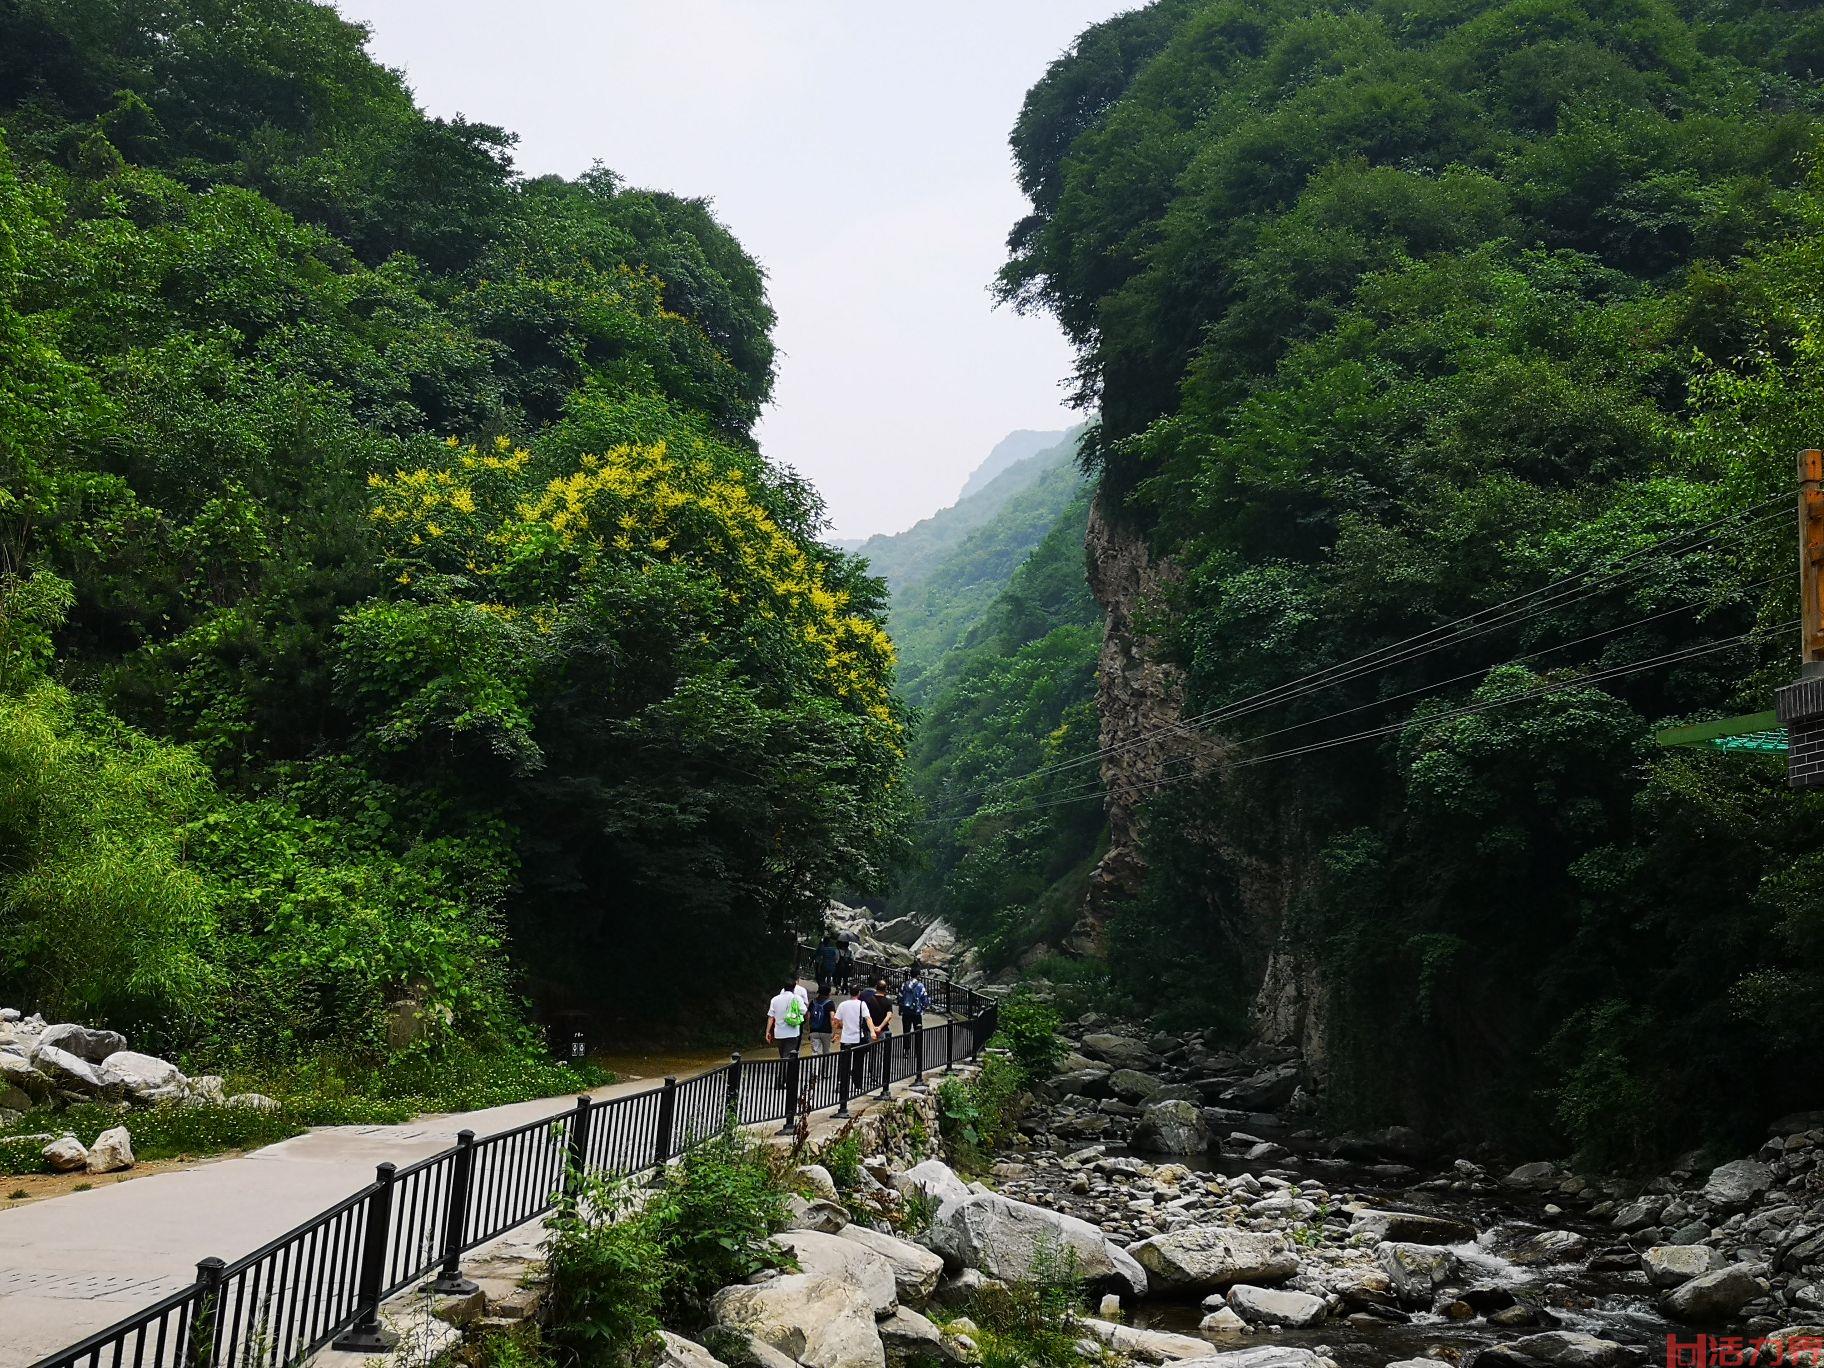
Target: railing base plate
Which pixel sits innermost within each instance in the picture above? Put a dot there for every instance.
(454, 1287)
(358, 1341)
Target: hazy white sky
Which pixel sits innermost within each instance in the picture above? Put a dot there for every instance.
(858, 150)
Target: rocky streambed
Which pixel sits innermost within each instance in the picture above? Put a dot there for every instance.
(1254, 1228)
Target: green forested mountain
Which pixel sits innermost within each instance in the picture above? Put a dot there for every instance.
(905, 559)
(393, 604)
(1392, 313)
(971, 552)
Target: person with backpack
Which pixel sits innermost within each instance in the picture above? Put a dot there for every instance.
(914, 1002)
(826, 962)
(785, 1018)
(880, 1011)
(854, 1034)
(823, 1022)
(845, 963)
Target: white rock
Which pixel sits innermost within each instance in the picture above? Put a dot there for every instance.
(1670, 1265)
(145, 1077)
(1572, 1349)
(1149, 1346)
(252, 1102)
(1735, 1185)
(1200, 1258)
(85, 1042)
(1261, 1356)
(1269, 1306)
(1222, 1321)
(818, 1179)
(1416, 1270)
(65, 1069)
(677, 1352)
(932, 1180)
(206, 1090)
(111, 1152)
(819, 1322)
(834, 1257)
(915, 1268)
(66, 1154)
(1007, 1239)
(1714, 1297)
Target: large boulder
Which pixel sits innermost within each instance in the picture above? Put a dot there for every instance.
(1008, 1239)
(902, 931)
(819, 1215)
(912, 1339)
(937, 947)
(1735, 1185)
(85, 1042)
(17, 1072)
(1549, 1247)
(1202, 1258)
(1121, 1052)
(1572, 1349)
(677, 1352)
(1411, 1227)
(1172, 1127)
(1265, 1091)
(1275, 1306)
(143, 1077)
(820, 1322)
(933, 1181)
(1261, 1356)
(1416, 1270)
(1130, 1085)
(1670, 1265)
(916, 1270)
(1146, 1346)
(834, 1257)
(111, 1152)
(1712, 1298)
(66, 1154)
(67, 1072)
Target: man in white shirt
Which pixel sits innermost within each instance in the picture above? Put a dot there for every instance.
(854, 1031)
(785, 1017)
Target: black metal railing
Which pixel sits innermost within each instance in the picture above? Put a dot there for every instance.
(323, 1282)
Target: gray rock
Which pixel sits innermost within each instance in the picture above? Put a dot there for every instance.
(1534, 1175)
(17, 1072)
(937, 946)
(1713, 1297)
(1260, 1356)
(1147, 1346)
(1735, 1185)
(1416, 1271)
(819, 1322)
(1670, 1265)
(85, 1042)
(1202, 1258)
(1130, 1085)
(145, 1078)
(1222, 1321)
(1411, 1227)
(1008, 1239)
(828, 1218)
(205, 1090)
(111, 1152)
(1092, 1082)
(677, 1352)
(1172, 1127)
(1275, 1306)
(1264, 1091)
(1549, 1247)
(817, 1178)
(904, 931)
(834, 1257)
(252, 1102)
(66, 1154)
(1121, 1052)
(933, 1181)
(66, 1070)
(916, 1270)
(1692, 1233)
(1572, 1349)
(910, 1338)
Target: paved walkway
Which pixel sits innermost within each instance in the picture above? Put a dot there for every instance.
(74, 1264)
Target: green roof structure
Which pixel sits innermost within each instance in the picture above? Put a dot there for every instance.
(1759, 732)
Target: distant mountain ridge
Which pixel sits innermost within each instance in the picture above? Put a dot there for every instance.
(906, 559)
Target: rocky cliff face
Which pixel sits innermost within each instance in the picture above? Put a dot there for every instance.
(1141, 700)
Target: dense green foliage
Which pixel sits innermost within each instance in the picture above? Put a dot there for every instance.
(393, 605)
(1393, 312)
(1005, 857)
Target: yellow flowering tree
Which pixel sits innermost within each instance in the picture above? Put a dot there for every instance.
(639, 646)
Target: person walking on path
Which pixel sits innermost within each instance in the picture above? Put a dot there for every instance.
(823, 1022)
(845, 962)
(914, 1002)
(785, 1018)
(826, 960)
(854, 1032)
(880, 1011)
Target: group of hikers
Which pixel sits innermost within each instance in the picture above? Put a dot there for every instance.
(845, 1024)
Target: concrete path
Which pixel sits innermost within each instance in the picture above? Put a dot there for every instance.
(71, 1265)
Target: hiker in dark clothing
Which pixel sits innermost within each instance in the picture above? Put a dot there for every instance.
(845, 963)
(914, 1002)
(826, 962)
(880, 1011)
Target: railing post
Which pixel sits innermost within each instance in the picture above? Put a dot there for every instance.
(788, 1074)
(200, 1352)
(885, 1046)
(918, 1049)
(734, 1087)
(367, 1335)
(844, 1058)
(578, 1163)
(668, 1118)
(456, 1219)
